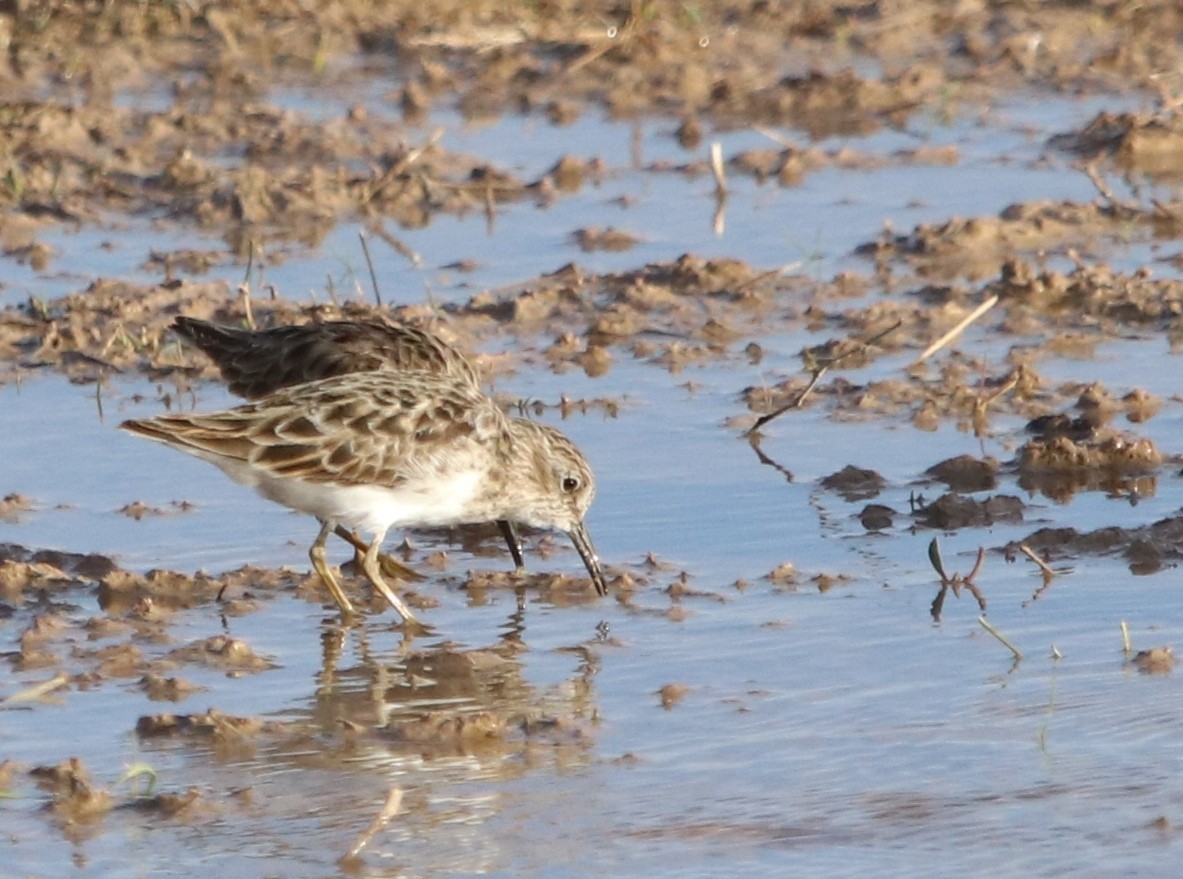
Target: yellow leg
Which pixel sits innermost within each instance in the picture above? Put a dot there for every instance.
(369, 564)
(390, 566)
(317, 554)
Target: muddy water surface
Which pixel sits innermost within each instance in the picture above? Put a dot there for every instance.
(768, 688)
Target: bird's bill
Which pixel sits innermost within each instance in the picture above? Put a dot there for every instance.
(591, 560)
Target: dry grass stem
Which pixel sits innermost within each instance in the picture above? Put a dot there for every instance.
(365, 249)
(37, 692)
(1043, 566)
(718, 170)
(394, 800)
(957, 330)
(1002, 638)
(819, 369)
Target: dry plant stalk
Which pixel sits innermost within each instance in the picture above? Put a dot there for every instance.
(718, 170)
(957, 330)
(954, 581)
(1048, 573)
(819, 369)
(37, 692)
(997, 634)
(394, 800)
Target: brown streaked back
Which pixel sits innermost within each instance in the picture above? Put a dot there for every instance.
(256, 363)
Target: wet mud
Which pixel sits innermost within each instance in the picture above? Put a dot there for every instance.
(175, 113)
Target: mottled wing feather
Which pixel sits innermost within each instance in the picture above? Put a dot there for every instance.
(258, 363)
(377, 428)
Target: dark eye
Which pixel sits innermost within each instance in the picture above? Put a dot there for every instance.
(570, 484)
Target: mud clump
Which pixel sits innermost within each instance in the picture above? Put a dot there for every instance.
(1059, 466)
(1147, 548)
(1150, 143)
(952, 511)
(966, 474)
(211, 724)
(1155, 661)
(854, 483)
(877, 517)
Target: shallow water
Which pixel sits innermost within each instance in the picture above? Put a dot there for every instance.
(836, 731)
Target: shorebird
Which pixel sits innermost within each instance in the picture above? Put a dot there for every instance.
(256, 363)
(375, 450)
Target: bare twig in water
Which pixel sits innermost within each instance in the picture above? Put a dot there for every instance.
(719, 217)
(795, 403)
(37, 692)
(392, 173)
(244, 291)
(398, 245)
(1048, 573)
(393, 801)
(1002, 638)
(957, 330)
(954, 581)
(365, 248)
(818, 369)
(754, 441)
(718, 170)
(1117, 204)
(981, 404)
(250, 262)
(776, 137)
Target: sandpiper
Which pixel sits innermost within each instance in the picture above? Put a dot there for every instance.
(374, 450)
(256, 363)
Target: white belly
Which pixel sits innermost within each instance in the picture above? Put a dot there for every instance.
(370, 508)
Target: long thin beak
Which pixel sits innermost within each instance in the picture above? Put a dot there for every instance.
(587, 552)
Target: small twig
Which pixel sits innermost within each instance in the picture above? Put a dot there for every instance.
(954, 581)
(38, 691)
(250, 263)
(244, 291)
(755, 279)
(819, 369)
(997, 634)
(1126, 648)
(775, 137)
(394, 800)
(365, 248)
(398, 245)
(792, 404)
(614, 37)
(754, 441)
(490, 206)
(718, 170)
(957, 330)
(977, 564)
(1043, 566)
(981, 404)
(391, 173)
(1102, 187)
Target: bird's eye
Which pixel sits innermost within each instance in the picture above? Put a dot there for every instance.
(570, 484)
